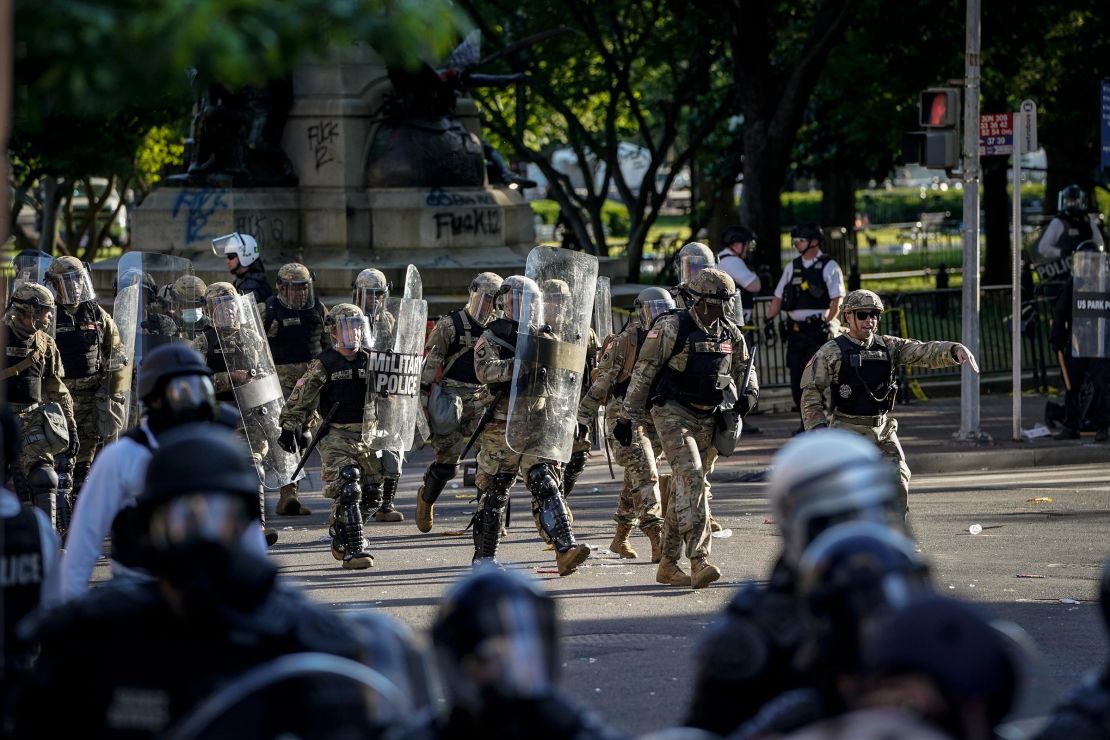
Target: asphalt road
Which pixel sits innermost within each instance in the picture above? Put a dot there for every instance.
(627, 642)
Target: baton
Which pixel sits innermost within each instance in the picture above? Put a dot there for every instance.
(315, 439)
(486, 418)
(750, 369)
(1063, 369)
(609, 458)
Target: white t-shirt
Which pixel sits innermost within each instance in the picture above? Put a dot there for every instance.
(1056, 230)
(737, 269)
(834, 282)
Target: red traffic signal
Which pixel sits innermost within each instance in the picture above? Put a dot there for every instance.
(940, 107)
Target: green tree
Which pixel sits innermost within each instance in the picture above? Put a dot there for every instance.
(646, 72)
(92, 79)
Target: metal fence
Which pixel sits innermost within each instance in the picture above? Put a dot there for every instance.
(933, 315)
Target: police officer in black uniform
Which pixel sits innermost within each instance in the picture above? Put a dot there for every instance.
(294, 324)
(158, 647)
(243, 261)
(810, 291)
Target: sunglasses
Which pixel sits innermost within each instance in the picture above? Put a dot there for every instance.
(232, 256)
(869, 315)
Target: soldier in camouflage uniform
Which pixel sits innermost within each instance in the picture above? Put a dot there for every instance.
(639, 498)
(686, 362)
(498, 465)
(337, 378)
(94, 363)
(33, 375)
(371, 294)
(449, 365)
(294, 324)
(860, 371)
(186, 302)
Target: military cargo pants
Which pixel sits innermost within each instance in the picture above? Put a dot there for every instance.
(639, 498)
(885, 435)
(687, 439)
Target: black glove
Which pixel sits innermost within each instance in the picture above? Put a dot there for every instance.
(769, 330)
(622, 432)
(288, 440)
(746, 404)
(582, 431)
(74, 444)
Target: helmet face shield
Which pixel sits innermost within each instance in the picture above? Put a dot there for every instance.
(187, 397)
(199, 517)
(225, 245)
(1072, 199)
(691, 265)
(73, 287)
(225, 311)
(371, 300)
(480, 306)
(651, 310)
(296, 295)
(352, 332)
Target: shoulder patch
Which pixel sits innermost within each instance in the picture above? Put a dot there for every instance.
(653, 334)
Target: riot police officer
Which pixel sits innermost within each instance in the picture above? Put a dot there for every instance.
(450, 389)
(186, 303)
(243, 261)
(33, 375)
(687, 361)
(93, 359)
(1071, 226)
(337, 379)
(810, 291)
(371, 294)
(692, 259)
(213, 610)
(498, 463)
(859, 368)
(749, 655)
(294, 324)
(639, 498)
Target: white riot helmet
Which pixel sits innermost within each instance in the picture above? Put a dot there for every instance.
(652, 303)
(483, 296)
(692, 259)
(824, 478)
(371, 291)
(514, 291)
(238, 245)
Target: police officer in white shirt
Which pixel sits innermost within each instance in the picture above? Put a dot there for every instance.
(738, 245)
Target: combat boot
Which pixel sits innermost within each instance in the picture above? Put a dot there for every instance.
(288, 504)
(436, 478)
(425, 517)
(568, 561)
(620, 544)
(387, 512)
(702, 572)
(714, 525)
(271, 536)
(370, 502)
(669, 574)
(655, 537)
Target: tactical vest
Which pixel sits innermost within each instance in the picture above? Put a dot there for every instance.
(708, 365)
(127, 527)
(806, 289)
(78, 337)
(254, 281)
(624, 377)
(458, 364)
(1076, 232)
(504, 332)
(345, 384)
(299, 331)
(865, 385)
(26, 387)
(21, 579)
(215, 358)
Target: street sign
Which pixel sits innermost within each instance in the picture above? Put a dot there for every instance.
(1028, 126)
(1105, 109)
(996, 134)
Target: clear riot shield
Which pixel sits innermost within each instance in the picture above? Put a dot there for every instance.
(1090, 311)
(143, 314)
(255, 383)
(396, 358)
(603, 310)
(30, 265)
(551, 353)
(414, 286)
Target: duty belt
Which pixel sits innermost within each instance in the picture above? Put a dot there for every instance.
(872, 421)
(814, 325)
(23, 408)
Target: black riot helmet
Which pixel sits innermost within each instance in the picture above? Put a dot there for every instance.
(809, 231)
(1072, 200)
(179, 376)
(495, 640)
(737, 233)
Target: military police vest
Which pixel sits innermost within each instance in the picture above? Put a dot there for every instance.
(345, 385)
(504, 334)
(21, 579)
(458, 364)
(1077, 231)
(295, 334)
(78, 336)
(865, 385)
(624, 377)
(806, 289)
(708, 365)
(26, 386)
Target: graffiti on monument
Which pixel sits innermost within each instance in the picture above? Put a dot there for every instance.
(440, 198)
(322, 137)
(267, 229)
(199, 207)
(473, 221)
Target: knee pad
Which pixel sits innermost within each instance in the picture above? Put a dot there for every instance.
(442, 471)
(503, 481)
(541, 482)
(43, 479)
(350, 490)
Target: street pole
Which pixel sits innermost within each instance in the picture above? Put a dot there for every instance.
(969, 381)
(1015, 276)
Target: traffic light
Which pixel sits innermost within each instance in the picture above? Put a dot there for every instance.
(938, 146)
